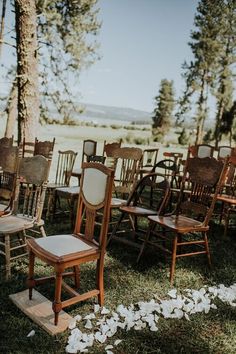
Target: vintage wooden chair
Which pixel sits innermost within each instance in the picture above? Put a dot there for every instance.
(44, 148)
(89, 149)
(227, 196)
(65, 164)
(70, 251)
(149, 160)
(108, 152)
(189, 224)
(202, 150)
(31, 184)
(149, 197)
(224, 151)
(6, 142)
(9, 158)
(27, 148)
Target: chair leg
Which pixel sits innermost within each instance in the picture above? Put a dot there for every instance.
(148, 234)
(77, 276)
(115, 228)
(30, 280)
(207, 249)
(57, 305)
(7, 256)
(42, 230)
(100, 281)
(173, 261)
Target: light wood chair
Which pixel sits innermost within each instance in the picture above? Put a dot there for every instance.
(67, 251)
(108, 152)
(186, 229)
(65, 164)
(28, 203)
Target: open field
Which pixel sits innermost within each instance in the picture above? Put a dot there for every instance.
(126, 283)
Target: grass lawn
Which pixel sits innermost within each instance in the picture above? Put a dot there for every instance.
(127, 283)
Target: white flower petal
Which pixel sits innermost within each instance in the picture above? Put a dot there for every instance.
(31, 333)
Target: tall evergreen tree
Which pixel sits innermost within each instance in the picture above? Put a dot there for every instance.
(205, 49)
(223, 90)
(163, 112)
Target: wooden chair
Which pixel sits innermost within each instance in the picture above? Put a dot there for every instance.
(27, 148)
(44, 148)
(149, 160)
(65, 164)
(9, 158)
(6, 142)
(89, 149)
(227, 196)
(224, 151)
(189, 225)
(108, 152)
(202, 150)
(31, 184)
(149, 197)
(67, 251)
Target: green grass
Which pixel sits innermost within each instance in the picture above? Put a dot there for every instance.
(127, 283)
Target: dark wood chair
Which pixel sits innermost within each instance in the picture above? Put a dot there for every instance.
(108, 152)
(186, 229)
(202, 150)
(44, 148)
(149, 197)
(70, 251)
(31, 184)
(149, 160)
(6, 142)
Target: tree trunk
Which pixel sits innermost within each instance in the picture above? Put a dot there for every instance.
(217, 133)
(2, 24)
(201, 111)
(11, 111)
(27, 70)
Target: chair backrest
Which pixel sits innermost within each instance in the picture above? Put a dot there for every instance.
(9, 158)
(89, 149)
(65, 164)
(6, 142)
(149, 158)
(169, 169)
(27, 148)
(205, 178)
(44, 148)
(224, 151)
(97, 158)
(127, 170)
(108, 152)
(31, 186)
(151, 191)
(95, 195)
(202, 150)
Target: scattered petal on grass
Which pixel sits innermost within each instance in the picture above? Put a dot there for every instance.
(105, 311)
(88, 324)
(109, 347)
(78, 318)
(72, 324)
(172, 293)
(117, 342)
(31, 333)
(96, 308)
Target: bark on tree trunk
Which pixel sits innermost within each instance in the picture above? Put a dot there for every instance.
(27, 70)
(11, 111)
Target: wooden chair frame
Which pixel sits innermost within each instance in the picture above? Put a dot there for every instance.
(83, 247)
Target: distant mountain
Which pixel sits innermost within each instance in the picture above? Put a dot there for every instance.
(94, 111)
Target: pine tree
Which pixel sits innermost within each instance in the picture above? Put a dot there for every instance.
(163, 112)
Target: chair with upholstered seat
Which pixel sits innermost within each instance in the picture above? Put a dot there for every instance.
(70, 251)
(44, 148)
(202, 150)
(108, 152)
(28, 202)
(184, 231)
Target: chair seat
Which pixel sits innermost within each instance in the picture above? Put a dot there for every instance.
(117, 202)
(62, 248)
(227, 199)
(55, 185)
(72, 191)
(180, 223)
(76, 172)
(137, 210)
(13, 223)
(2, 206)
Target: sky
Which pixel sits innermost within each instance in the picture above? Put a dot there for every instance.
(141, 43)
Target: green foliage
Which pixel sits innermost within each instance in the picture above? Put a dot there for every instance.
(163, 112)
(208, 137)
(183, 138)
